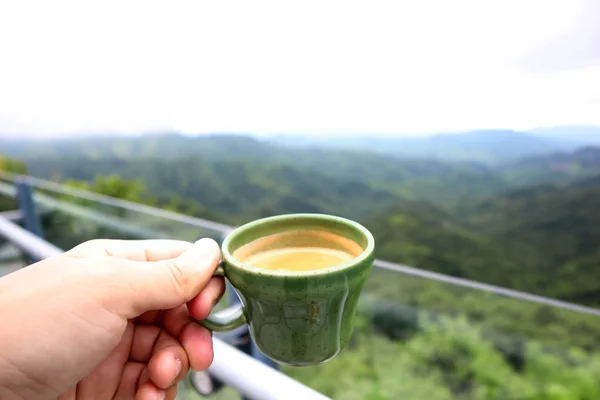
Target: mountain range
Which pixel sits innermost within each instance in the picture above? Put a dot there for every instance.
(489, 147)
(526, 223)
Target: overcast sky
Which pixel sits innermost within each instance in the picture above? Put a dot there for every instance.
(384, 67)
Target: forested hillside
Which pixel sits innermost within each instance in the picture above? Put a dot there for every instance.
(531, 224)
(554, 168)
(445, 183)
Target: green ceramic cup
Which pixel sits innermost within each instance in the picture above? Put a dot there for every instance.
(297, 318)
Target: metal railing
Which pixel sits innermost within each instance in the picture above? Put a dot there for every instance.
(224, 229)
(231, 366)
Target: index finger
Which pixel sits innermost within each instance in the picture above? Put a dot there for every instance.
(135, 250)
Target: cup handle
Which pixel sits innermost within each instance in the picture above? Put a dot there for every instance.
(217, 323)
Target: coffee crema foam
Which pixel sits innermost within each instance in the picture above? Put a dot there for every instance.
(299, 250)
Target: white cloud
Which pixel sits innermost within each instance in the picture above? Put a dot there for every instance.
(311, 66)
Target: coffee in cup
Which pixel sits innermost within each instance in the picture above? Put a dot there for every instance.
(298, 250)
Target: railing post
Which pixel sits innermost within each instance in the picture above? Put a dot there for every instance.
(31, 219)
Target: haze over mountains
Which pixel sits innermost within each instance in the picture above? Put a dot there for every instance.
(486, 146)
(481, 145)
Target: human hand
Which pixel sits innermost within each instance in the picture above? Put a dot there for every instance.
(109, 319)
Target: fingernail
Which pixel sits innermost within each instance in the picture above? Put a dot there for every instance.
(177, 367)
(205, 248)
(162, 395)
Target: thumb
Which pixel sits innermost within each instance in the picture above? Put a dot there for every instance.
(164, 284)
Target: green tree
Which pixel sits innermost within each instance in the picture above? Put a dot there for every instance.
(111, 185)
(12, 165)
